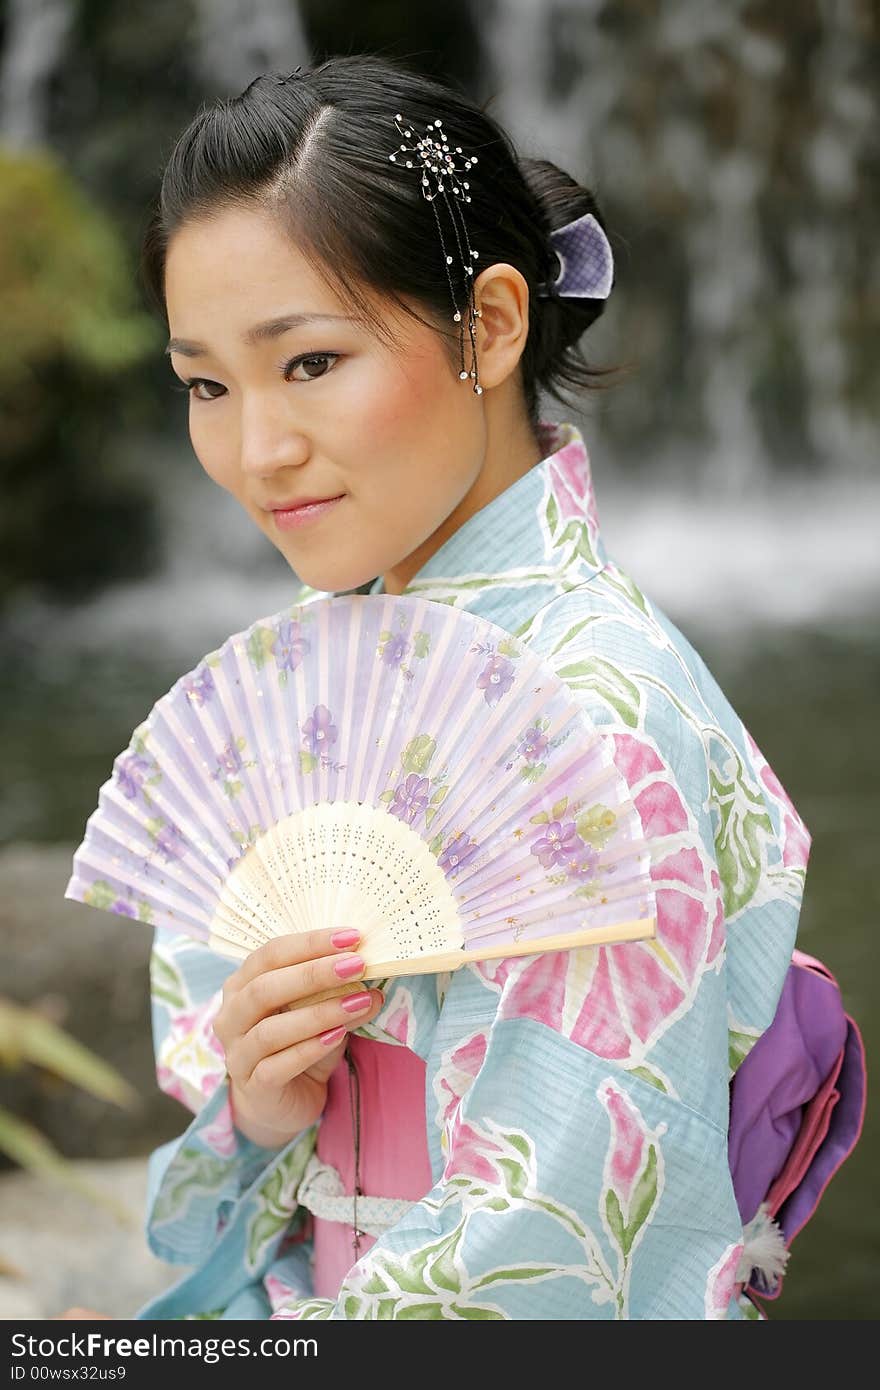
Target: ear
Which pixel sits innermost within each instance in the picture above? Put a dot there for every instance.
(502, 296)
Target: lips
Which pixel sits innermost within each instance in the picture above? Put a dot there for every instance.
(304, 513)
(303, 502)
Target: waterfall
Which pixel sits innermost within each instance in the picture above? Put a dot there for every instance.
(731, 151)
(36, 35)
(235, 40)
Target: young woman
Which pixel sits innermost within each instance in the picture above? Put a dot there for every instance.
(542, 1137)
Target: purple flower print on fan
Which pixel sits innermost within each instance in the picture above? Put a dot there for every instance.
(131, 774)
(496, 678)
(460, 849)
(395, 649)
(532, 748)
(394, 646)
(289, 647)
(103, 895)
(534, 745)
(582, 863)
(230, 760)
(413, 794)
(170, 842)
(558, 843)
(200, 686)
(318, 730)
(410, 798)
(573, 845)
(318, 733)
(229, 763)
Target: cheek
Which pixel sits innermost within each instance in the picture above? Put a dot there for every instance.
(214, 449)
(410, 400)
(387, 413)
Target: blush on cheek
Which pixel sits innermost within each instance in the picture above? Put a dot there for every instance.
(391, 412)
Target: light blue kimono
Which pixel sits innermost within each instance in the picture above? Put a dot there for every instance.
(576, 1102)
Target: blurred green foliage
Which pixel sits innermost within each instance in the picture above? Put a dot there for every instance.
(71, 518)
(27, 1037)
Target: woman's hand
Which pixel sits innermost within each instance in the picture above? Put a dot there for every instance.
(279, 1056)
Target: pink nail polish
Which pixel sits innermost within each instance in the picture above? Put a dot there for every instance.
(347, 969)
(356, 1003)
(348, 937)
(333, 1036)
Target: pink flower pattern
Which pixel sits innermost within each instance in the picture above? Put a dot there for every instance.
(571, 482)
(191, 1062)
(721, 1284)
(796, 838)
(626, 997)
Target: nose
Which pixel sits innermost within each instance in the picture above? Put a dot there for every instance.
(270, 439)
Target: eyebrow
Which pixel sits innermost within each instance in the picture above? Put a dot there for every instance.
(271, 328)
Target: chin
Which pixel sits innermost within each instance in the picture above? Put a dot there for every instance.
(329, 578)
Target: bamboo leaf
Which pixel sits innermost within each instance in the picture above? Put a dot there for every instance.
(32, 1150)
(26, 1035)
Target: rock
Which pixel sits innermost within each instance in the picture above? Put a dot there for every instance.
(58, 1249)
(89, 971)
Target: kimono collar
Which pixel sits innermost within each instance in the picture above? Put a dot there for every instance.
(544, 527)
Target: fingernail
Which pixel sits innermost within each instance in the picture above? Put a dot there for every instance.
(356, 1003)
(333, 1036)
(342, 939)
(348, 968)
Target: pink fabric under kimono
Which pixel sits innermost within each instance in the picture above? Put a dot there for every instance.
(393, 1148)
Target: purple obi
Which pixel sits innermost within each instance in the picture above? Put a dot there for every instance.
(797, 1104)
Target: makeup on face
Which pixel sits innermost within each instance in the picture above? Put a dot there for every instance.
(289, 519)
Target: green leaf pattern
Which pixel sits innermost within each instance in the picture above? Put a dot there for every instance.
(166, 981)
(435, 1283)
(275, 1200)
(196, 1173)
(743, 828)
(629, 1198)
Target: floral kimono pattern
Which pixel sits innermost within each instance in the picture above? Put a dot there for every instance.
(576, 1102)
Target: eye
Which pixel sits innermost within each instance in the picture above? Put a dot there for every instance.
(305, 359)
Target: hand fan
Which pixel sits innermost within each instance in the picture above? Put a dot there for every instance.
(378, 761)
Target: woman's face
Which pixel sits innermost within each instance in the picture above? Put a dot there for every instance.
(319, 410)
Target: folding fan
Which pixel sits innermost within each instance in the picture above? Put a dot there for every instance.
(382, 762)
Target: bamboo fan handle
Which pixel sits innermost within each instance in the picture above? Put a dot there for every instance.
(642, 929)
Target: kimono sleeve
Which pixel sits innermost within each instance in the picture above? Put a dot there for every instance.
(195, 1182)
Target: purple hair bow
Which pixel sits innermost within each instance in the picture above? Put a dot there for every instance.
(586, 265)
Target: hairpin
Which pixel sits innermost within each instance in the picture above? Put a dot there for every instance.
(433, 155)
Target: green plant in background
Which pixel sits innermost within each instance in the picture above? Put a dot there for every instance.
(70, 518)
(27, 1037)
(65, 281)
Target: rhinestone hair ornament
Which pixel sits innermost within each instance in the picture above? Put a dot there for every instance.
(431, 153)
(584, 256)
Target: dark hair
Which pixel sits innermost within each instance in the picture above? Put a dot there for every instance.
(313, 151)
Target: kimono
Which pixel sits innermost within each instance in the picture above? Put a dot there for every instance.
(576, 1102)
